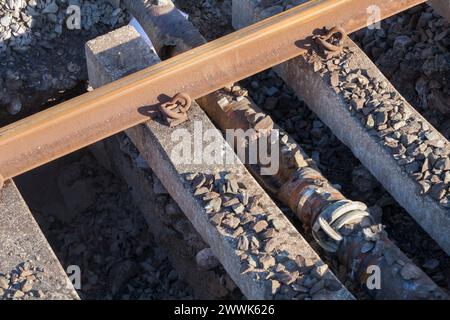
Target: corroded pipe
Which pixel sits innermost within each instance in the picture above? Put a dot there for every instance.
(342, 227)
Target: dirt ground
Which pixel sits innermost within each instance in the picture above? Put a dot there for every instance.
(89, 219)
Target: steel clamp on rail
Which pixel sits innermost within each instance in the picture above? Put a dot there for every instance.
(175, 110)
(326, 40)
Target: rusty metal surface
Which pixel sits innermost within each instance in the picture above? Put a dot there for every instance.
(91, 117)
(175, 110)
(361, 244)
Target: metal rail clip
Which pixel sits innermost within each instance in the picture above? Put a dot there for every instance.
(175, 110)
(324, 40)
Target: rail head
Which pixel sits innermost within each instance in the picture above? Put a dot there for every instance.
(91, 117)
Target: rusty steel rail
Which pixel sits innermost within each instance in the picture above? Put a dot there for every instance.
(343, 228)
(301, 186)
(115, 107)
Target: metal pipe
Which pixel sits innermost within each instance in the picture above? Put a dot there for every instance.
(74, 124)
(342, 227)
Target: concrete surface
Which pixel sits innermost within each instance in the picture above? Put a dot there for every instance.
(21, 240)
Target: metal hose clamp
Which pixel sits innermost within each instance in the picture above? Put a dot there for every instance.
(334, 217)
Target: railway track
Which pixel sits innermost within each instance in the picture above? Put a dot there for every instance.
(232, 206)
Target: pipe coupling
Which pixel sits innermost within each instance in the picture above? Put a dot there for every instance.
(332, 218)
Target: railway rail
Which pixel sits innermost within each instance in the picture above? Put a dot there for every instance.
(196, 70)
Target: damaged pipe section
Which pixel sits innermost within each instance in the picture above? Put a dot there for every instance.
(343, 228)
